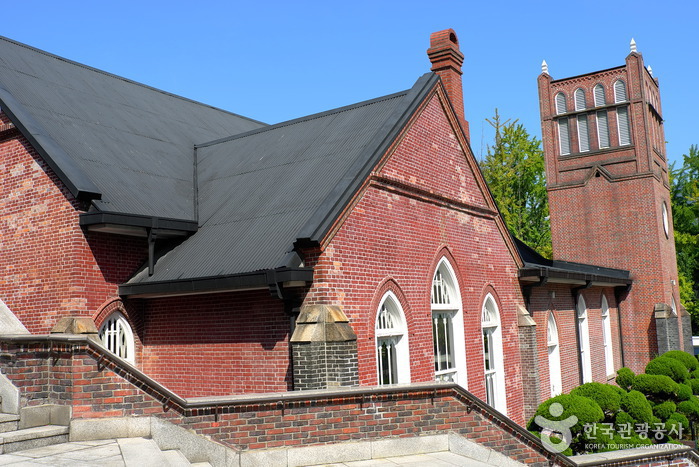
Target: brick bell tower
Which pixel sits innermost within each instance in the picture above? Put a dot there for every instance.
(609, 195)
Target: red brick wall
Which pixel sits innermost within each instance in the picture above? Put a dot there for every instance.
(397, 232)
(50, 267)
(70, 374)
(558, 299)
(218, 344)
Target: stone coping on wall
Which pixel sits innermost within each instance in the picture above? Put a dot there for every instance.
(634, 456)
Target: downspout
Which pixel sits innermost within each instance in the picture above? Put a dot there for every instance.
(618, 292)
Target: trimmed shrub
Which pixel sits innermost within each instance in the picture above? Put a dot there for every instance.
(690, 408)
(694, 374)
(623, 418)
(682, 420)
(656, 387)
(624, 378)
(688, 360)
(637, 406)
(669, 367)
(694, 384)
(664, 410)
(605, 395)
(684, 392)
(587, 411)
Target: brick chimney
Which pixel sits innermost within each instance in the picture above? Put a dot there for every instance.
(446, 61)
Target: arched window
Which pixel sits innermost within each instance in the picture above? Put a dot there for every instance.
(392, 352)
(116, 335)
(598, 92)
(584, 343)
(554, 351)
(607, 337)
(493, 356)
(665, 219)
(580, 99)
(674, 307)
(620, 91)
(561, 106)
(447, 326)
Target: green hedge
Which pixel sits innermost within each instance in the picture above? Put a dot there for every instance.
(669, 367)
(624, 378)
(605, 395)
(688, 360)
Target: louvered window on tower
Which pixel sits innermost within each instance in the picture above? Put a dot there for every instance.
(622, 117)
(599, 96)
(583, 134)
(580, 100)
(620, 91)
(560, 103)
(602, 129)
(564, 136)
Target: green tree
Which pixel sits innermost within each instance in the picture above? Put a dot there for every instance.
(684, 190)
(514, 171)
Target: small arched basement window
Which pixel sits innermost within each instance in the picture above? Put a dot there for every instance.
(392, 352)
(116, 335)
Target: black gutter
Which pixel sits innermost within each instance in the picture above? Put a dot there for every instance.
(249, 280)
(554, 273)
(136, 220)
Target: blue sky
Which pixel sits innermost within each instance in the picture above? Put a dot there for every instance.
(274, 61)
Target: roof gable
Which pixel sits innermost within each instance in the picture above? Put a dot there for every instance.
(262, 191)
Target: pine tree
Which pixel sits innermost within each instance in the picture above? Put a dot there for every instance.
(514, 171)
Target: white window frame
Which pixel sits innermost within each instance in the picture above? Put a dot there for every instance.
(583, 133)
(599, 96)
(448, 339)
(665, 219)
(623, 125)
(554, 352)
(564, 136)
(493, 358)
(579, 97)
(584, 343)
(391, 330)
(561, 105)
(607, 337)
(116, 335)
(620, 85)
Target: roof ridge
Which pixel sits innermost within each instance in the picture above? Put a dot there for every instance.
(305, 118)
(122, 78)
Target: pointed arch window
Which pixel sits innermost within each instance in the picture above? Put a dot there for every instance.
(598, 93)
(116, 335)
(561, 106)
(493, 355)
(580, 103)
(584, 341)
(392, 351)
(607, 337)
(554, 352)
(447, 326)
(620, 91)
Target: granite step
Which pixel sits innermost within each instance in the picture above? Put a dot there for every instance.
(28, 438)
(143, 452)
(175, 458)
(8, 422)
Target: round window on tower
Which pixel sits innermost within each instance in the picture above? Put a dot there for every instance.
(666, 226)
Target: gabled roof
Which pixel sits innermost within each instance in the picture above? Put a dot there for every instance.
(262, 191)
(126, 146)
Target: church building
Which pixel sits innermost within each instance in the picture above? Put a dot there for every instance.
(358, 247)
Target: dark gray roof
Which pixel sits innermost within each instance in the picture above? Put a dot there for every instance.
(262, 191)
(125, 145)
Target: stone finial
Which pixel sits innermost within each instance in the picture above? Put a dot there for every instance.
(545, 67)
(633, 45)
(650, 70)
